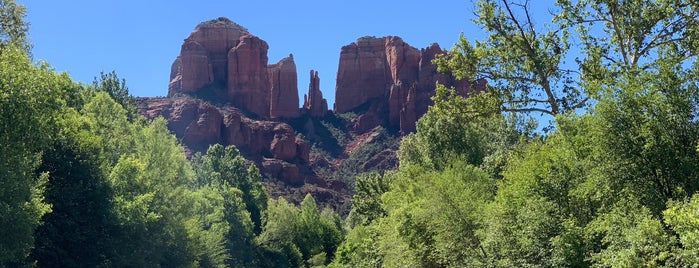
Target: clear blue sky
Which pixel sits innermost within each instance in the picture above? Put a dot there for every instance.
(139, 39)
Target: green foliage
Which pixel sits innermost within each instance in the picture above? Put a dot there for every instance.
(30, 97)
(432, 220)
(649, 131)
(530, 205)
(341, 137)
(625, 39)
(520, 61)
(294, 237)
(361, 248)
(225, 167)
(276, 239)
(631, 237)
(366, 201)
(84, 184)
(117, 90)
(439, 213)
(81, 209)
(224, 171)
(13, 29)
(683, 219)
(458, 127)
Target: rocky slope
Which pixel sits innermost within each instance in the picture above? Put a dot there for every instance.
(222, 90)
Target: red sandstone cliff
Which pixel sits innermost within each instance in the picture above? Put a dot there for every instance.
(392, 81)
(284, 97)
(221, 59)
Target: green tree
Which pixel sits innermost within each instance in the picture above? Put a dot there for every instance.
(223, 170)
(316, 235)
(682, 217)
(225, 166)
(30, 97)
(81, 212)
(439, 213)
(366, 201)
(117, 90)
(631, 237)
(299, 236)
(465, 128)
(432, 219)
(520, 61)
(630, 37)
(276, 240)
(538, 212)
(647, 134)
(13, 28)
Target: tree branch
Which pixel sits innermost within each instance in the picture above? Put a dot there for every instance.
(527, 110)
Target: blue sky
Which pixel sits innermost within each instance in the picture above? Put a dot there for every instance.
(139, 39)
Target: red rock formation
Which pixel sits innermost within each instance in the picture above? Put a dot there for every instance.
(303, 150)
(283, 171)
(391, 79)
(248, 82)
(283, 145)
(313, 103)
(221, 59)
(203, 58)
(195, 122)
(408, 113)
(368, 68)
(284, 92)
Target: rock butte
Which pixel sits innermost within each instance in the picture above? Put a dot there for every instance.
(393, 81)
(222, 90)
(221, 60)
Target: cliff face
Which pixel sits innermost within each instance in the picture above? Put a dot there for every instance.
(389, 82)
(284, 96)
(221, 60)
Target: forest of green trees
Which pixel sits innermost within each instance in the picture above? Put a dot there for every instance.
(607, 177)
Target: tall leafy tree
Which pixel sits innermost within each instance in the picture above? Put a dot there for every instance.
(682, 217)
(226, 167)
(224, 171)
(30, 97)
(366, 201)
(13, 28)
(117, 90)
(629, 37)
(81, 210)
(521, 61)
(299, 236)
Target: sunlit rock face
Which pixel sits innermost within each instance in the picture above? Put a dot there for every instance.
(390, 81)
(221, 60)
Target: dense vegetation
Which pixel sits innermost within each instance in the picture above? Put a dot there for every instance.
(611, 180)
